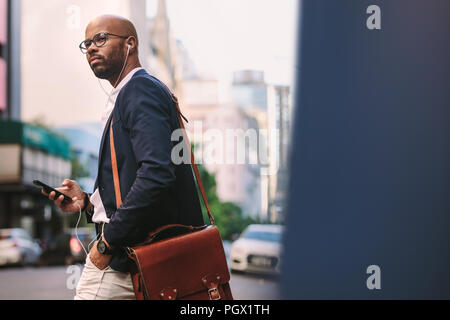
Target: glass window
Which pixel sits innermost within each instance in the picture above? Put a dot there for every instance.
(263, 236)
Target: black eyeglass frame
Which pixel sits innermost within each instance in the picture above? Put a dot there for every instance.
(93, 41)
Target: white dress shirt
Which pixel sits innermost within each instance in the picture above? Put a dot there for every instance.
(99, 210)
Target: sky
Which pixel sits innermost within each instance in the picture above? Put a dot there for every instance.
(224, 36)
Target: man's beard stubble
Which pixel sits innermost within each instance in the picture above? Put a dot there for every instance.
(109, 69)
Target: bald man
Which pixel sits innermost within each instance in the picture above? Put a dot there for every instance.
(155, 191)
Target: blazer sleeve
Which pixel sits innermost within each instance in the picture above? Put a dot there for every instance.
(88, 215)
(146, 112)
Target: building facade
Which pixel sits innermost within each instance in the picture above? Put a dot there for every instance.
(249, 89)
(10, 60)
(30, 153)
(279, 115)
(3, 48)
(85, 141)
(270, 106)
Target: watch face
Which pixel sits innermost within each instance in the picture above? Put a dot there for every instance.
(101, 247)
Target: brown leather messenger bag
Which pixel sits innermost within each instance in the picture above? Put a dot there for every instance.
(178, 262)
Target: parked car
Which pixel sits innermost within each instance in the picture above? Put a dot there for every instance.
(258, 249)
(65, 249)
(18, 248)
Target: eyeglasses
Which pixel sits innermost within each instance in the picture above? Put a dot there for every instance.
(99, 40)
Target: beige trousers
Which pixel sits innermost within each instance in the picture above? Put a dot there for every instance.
(107, 284)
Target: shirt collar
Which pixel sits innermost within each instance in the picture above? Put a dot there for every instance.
(125, 81)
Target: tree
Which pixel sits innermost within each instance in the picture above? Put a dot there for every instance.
(227, 215)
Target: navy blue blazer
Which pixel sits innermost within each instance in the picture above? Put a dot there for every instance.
(154, 190)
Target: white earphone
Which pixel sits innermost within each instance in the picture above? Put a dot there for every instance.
(125, 63)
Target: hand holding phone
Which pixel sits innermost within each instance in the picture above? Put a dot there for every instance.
(70, 197)
(49, 189)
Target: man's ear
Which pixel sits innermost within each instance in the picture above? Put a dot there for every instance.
(132, 43)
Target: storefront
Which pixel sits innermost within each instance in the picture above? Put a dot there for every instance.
(26, 153)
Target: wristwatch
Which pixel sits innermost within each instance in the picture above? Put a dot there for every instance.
(103, 248)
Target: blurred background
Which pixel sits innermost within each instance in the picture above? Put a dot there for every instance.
(231, 65)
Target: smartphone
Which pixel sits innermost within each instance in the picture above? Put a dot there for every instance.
(49, 189)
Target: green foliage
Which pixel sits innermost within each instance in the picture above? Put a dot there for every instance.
(227, 215)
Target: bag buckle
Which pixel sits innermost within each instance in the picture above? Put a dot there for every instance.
(214, 294)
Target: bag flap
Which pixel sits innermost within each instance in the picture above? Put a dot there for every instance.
(184, 264)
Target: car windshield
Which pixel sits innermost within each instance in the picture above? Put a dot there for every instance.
(263, 236)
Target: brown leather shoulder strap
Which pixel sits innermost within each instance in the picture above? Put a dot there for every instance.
(194, 166)
(114, 167)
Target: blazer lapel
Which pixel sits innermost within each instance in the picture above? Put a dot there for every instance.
(108, 124)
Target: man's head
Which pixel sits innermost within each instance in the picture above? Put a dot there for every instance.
(106, 54)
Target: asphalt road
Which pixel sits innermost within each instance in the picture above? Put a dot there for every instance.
(57, 283)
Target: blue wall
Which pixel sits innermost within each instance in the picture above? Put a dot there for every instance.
(370, 167)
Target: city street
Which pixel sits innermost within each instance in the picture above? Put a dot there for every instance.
(59, 282)
(55, 283)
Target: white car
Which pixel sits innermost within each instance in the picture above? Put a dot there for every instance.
(18, 248)
(258, 249)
